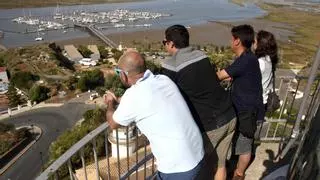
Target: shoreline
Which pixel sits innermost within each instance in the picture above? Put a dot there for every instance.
(211, 32)
(41, 4)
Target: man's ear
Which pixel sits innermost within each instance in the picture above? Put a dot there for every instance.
(123, 77)
(237, 42)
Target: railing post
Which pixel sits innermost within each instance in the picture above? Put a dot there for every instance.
(83, 163)
(296, 129)
(118, 153)
(70, 169)
(107, 153)
(96, 157)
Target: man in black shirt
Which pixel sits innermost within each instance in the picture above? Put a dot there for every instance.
(246, 93)
(209, 103)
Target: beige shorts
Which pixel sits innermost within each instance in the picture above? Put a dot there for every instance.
(220, 139)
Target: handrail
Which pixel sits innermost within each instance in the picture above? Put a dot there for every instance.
(70, 152)
(136, 167)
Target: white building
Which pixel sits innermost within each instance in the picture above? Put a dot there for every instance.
(4, 81)
(95, 56)
(73, 53)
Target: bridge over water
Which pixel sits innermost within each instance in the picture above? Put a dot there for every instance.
(91, 28)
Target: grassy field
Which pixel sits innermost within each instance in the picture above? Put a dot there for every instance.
(5, 4)
(301, 48)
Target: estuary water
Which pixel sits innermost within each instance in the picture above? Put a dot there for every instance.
(186, 12)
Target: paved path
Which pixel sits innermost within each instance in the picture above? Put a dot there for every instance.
(53, 121)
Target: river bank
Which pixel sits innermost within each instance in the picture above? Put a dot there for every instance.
(4, 4)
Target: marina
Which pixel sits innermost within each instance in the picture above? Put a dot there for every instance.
(57, 23)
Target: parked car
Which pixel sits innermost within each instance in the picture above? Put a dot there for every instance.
(87, 62)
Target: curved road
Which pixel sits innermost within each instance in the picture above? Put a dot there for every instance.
(53, 121)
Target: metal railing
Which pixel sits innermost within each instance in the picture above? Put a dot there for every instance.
(140, 164)
(133, 160)
(279, 125)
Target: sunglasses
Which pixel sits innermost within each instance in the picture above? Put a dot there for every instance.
(118, 71)
(164, 42)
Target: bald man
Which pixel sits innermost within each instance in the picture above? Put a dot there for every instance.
(155, 105)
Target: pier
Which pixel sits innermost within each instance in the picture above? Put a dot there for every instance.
(91, 28)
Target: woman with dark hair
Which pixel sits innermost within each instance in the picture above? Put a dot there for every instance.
(266, 50)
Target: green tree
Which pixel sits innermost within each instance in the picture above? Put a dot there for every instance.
(92, 119)
(90, 80)
(60, 58)
(84, 51)
(113, 83)
(116, 54)
(14, 98)
(71, 83)
(104, 53)
(38, 93)
(23, 80)
(153, 67)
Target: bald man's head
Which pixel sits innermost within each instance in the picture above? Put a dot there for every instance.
(132, 62)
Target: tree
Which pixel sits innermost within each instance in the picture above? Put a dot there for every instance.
(62, 60)
(38, 93)
(114, 84)
(116, 54)
(153, 67)
(71, 83)
(104, 53)
(24, 80)
(14, 98)
(92, 119)
(84, 51)
(90, 80)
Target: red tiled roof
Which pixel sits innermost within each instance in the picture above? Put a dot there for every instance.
(3, 69)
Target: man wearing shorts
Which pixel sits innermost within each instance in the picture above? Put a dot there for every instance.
(246, 93)
(209, 103)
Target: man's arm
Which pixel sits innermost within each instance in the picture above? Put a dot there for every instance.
(223, 75)
(110, 111)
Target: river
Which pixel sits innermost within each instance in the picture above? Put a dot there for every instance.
(186, 12)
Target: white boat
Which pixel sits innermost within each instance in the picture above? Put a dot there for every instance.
(119, 25)
(41, 29)
(57, 13)
(38, 38)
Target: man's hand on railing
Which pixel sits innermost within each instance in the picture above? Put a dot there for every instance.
(111, 97)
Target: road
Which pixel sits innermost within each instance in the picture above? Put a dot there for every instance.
(53, 121)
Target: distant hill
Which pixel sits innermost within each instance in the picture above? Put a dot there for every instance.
(8, 4)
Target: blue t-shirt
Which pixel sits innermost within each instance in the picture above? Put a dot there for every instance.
(246, 87)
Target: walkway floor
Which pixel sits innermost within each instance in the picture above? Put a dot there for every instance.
(264, 162)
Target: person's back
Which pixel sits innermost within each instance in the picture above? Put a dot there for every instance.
(246, 85)
(192, 71)
(163, 116)
(210, 104)
(246, 93)
(157, 107)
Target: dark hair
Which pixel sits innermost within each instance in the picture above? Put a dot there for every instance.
(245, 33)
(267, 45)
(179, 35)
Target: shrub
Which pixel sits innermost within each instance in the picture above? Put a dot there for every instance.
(90, 80)
(14, 98)
(38, 93)
(6, 127)
(92, 119)
(104, 53)
(84, 51)
(23, 80)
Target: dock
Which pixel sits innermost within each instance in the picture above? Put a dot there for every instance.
(92, 29)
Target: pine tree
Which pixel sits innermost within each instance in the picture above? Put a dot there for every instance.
(13, 96)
